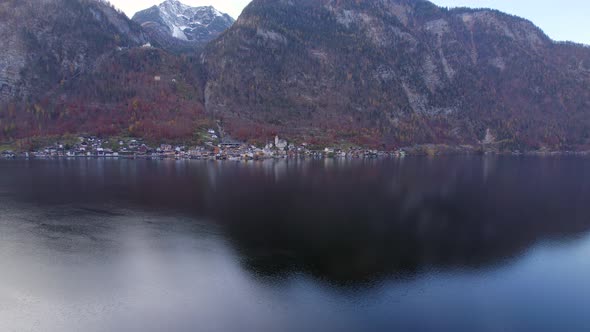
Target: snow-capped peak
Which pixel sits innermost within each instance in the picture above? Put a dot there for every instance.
(186, 22)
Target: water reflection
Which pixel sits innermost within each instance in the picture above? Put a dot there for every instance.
(460, 244)
(346, 222)
(359, 223)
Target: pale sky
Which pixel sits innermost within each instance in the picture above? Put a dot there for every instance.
(560, 19)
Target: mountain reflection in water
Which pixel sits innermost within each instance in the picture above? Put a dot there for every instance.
(351, 226)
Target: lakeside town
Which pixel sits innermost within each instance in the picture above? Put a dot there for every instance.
(213, 149)
(216, 148)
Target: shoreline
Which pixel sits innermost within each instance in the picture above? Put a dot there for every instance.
(136, 148)
(318, 156)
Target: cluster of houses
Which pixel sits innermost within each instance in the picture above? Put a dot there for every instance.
(86, 147)
(220, 150)
(8, 155)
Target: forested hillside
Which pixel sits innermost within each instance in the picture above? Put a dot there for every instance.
(399, 72)
(379, 73)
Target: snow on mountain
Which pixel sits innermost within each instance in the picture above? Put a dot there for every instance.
(197, 24)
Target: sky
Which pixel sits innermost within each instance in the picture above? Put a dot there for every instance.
(561, 19)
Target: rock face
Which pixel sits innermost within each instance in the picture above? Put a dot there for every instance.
(80, 66)
(371, 72)
(50, 42)
(197, 25)
(398, 72)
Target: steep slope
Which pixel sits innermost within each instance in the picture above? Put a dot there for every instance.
(192, 26)
(398, 72)
(51, 42)
(74, 66)
(381, 73)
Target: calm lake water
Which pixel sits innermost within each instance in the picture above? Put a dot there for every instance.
(449, 244)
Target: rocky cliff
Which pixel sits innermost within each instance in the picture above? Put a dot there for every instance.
(51, 42)
(399, 72)
(384, 73)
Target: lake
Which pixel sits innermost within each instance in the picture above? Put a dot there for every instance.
(415, 244)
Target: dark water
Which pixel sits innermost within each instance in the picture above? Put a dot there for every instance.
(452, 244)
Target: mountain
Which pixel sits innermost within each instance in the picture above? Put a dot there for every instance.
(74, 66)
(51, 42)
(398, 72)
(194, 25)
(379, 73)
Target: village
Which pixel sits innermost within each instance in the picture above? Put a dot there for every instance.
(214, 149)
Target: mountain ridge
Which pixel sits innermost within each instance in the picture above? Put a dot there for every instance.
(56, 40)
(383, 73)
(406, 72)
